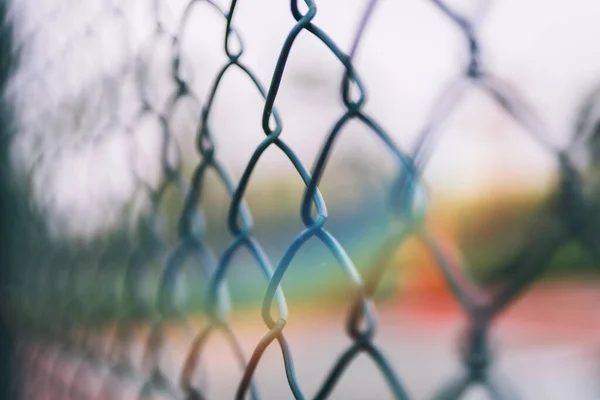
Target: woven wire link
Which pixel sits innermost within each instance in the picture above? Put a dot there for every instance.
(82, 350)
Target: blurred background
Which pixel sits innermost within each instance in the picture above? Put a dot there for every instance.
(83, 158)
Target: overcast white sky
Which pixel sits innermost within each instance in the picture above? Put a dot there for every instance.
(546, 48)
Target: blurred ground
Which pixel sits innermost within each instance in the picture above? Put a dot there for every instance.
(547, 346)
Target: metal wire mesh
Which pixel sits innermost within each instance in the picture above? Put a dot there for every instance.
(63, 311)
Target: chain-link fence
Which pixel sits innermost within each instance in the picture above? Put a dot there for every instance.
(94, 311)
